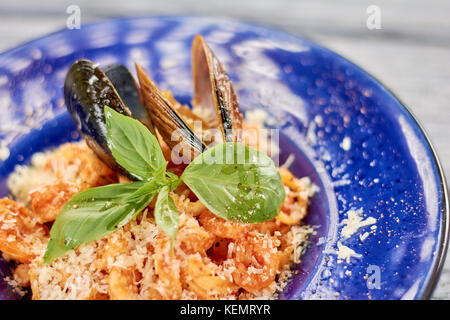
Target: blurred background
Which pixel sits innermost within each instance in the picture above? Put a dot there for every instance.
(410, 54)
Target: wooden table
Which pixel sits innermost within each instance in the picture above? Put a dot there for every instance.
(410, 54)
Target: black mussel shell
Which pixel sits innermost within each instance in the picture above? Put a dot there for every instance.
(125, 85)
(87, 90)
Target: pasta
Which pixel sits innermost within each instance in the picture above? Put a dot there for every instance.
(212, 258)
(20, 233)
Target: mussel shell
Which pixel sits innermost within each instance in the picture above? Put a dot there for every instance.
(125, 85)
(214, 91)
(87, 90)
(165, 118)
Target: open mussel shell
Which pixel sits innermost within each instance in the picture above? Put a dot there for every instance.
(87, 89)
(214, 93)
(186, 113)
(125, 85)
(170, 125)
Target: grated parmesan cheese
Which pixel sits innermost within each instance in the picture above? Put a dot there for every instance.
(354, 221)
(86, 272)
(344, 253)
(25, 178)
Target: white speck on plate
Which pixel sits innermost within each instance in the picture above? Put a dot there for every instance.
(344, 253)
(354, 221)
(311, 133)
(346, 144)
(4, 153)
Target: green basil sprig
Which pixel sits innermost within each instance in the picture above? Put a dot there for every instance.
(132, 146)
(233, 181)
(236, 182)
(166, 213)
(95, 213)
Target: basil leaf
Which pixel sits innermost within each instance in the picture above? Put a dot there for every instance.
(166, 213)
(95, 213)
(173, 181)
(132, 145)
(236, 183)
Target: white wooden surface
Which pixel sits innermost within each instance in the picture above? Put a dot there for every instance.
(410, 54)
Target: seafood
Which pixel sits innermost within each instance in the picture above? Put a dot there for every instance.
(213, 91)
(213, 95)
(125, 85)
(166, 120)
(209, 257)
(87, 89)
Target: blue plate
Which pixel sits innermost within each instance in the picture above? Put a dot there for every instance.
(352, 136)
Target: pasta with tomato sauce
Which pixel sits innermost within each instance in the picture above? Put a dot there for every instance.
(212, 258)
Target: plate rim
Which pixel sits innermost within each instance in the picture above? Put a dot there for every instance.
(435, 271)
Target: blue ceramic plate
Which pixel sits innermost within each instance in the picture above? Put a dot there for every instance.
(355, 140)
